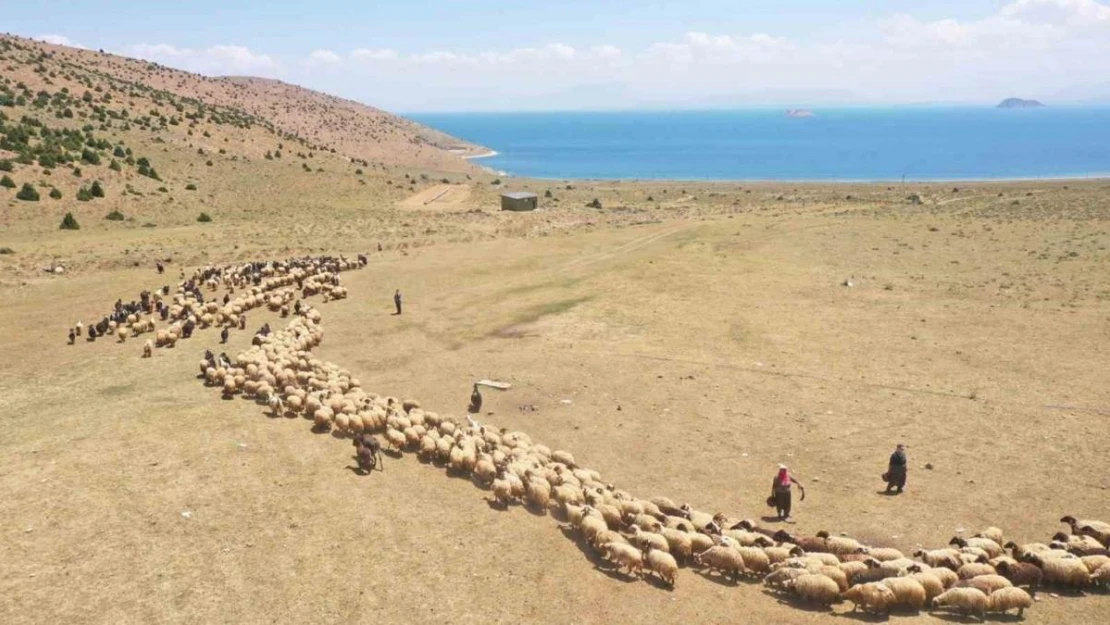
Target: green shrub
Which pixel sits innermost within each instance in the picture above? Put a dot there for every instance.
(190, 187)
(596, 203)
(204, 218)
(47, 160)
(114, 165)
(6, 165)
(208, 163)
(163, 190)
(6, 250)
(114, 216)
(7, 182)
(69, 223)
(77, 171)
(358, 172)
(55, 193)
(28, 193)
(83, 195)
(96, 190)
(90, 157)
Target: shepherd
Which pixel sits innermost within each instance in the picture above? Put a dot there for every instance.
(896, 471)
(475, 401)
(780, 492)
(397, 301)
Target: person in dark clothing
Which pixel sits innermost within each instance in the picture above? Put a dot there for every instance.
(896, 471)
(397, 301)
(161, 269)
(224, 334)
(780, 492)
(475, 401)
(73, 337)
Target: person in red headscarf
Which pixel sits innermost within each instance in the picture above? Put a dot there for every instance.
(780, 492)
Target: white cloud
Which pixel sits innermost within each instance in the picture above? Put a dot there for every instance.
(214, 61)
(365, 54)
(60, 40)
(319, 58)
(1058, 12)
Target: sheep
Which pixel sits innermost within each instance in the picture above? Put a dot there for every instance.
(992, 548)
(884, 554)
(277, 407)
(1080, 545)
(722, 559)
(1006, 599)
(662, 564)
(975, 569)
(986, 583)
(840, 545)
(782, 553)
(780, 578)
(395, 440)
(1101, 576)
(537, 492)
(148, 349)
(1062, 571)
(1089, 527)
(872, 597)
(755, 560)
(1021, 574)
(992, 533)
(626, 556)
(967, 601)
(563, 457)
(930, 582)
(815, 588)
(591, 527)
(700, 543)
(646, 540)
(679, 542)
(908, 592)
(121, 332)
(948, 558)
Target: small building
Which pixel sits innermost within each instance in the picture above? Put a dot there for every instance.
(519, 201)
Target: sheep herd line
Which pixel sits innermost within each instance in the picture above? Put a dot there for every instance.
(652, 538)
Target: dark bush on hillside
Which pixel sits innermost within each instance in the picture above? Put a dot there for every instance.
(77, 171)
(90, 157)
(7, 182)
(28, 193)
(190, 187)
(204, 218)
(6, 165)
(547, 193)
(6, 250)
(83, 195)
(96, 190)
(596, 203)
(114, 165)
(55, 193)
(69, 223)
(114, 216)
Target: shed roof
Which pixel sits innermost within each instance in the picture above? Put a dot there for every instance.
(519, 195)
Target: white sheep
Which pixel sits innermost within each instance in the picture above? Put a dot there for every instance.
(1006, 599)
(662, 564)
(148, 349)
(967, 601)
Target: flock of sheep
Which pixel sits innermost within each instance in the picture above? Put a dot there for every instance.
(652, 537)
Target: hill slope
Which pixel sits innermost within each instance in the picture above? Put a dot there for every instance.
(315, 120)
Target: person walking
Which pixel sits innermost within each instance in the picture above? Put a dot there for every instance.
(896, 471)
(397, 301)
(780, 492)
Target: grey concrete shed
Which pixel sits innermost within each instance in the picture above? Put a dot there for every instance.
(519, 201)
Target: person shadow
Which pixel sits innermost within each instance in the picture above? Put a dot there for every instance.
(888, 493)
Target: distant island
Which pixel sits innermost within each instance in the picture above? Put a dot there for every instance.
(799, 113)
(1018, 103)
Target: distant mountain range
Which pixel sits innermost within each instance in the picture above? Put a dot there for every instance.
(1018, 103)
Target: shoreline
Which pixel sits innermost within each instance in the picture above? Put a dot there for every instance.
(482, 155)
(1101, 177)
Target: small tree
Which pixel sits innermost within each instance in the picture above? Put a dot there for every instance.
(114, 165)
(190, 187)
(55, 193)
(596, 203)
(28, 193)
(96, 190)
(83, 195)
(204, 218)
(6, 165)
(7, 182)
(69, 223)
(77, 171)
(114, 216)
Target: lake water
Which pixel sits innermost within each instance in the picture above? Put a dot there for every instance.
(837, 144)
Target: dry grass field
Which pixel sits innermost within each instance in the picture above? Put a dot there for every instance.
(683, 339)
(681, 351)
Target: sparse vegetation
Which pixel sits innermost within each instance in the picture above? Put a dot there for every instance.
(27, 193)
(191, 187)
(204, 218)
(7, 182)
(69, 222)
(114, 216)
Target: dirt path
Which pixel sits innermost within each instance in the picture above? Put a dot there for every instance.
(440, 197)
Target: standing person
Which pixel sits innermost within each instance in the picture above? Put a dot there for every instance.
(397, 301)
(780, 492)
(896, 471)
(475, 401)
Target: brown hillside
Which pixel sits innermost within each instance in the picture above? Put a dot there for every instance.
(324, 122)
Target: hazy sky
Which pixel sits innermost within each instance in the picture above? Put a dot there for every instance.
(438, 55)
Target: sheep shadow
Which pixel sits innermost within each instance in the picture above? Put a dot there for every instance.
(863, 616)
(394, 453)
(588, 552)
(494, 504)
(657, 582)
(1005, 618)
(954, 617)
(716, 578)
